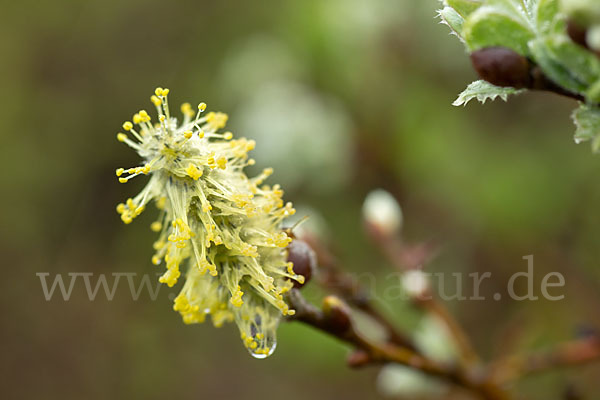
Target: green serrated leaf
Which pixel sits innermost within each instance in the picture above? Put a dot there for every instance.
(493, 26)
(583, 65)
(453, 19)
(553, 68)
(482, 91)
(464, 7)
(547, 16)
(567, 64)
(517, 8)
(587, 121)
(531, 6)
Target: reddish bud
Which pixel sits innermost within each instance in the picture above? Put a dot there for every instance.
(304, 259)
(501, 66)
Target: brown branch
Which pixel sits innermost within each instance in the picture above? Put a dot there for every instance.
(335, 321)
(470, 374)
(569, 354)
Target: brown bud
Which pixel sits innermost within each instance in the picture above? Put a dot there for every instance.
(304, 259)
(501, 66)
(337, 314)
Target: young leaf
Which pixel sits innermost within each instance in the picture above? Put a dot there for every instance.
(497, 26)
(583, 64)
(546, 15)
(553, 67)
(587, 121)
(482, 91)
(453, 19)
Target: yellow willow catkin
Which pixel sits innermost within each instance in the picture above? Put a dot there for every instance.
(224, 225)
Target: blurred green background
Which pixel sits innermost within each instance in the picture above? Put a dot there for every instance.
(342, 96)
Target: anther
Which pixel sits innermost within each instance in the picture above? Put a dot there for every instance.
(157, 102)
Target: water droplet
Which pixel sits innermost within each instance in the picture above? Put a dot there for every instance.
(261, 355)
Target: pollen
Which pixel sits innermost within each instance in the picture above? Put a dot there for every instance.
(236, 299)
(193, 172)
(219, 230)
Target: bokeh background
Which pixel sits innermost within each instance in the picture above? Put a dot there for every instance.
(342, 96)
